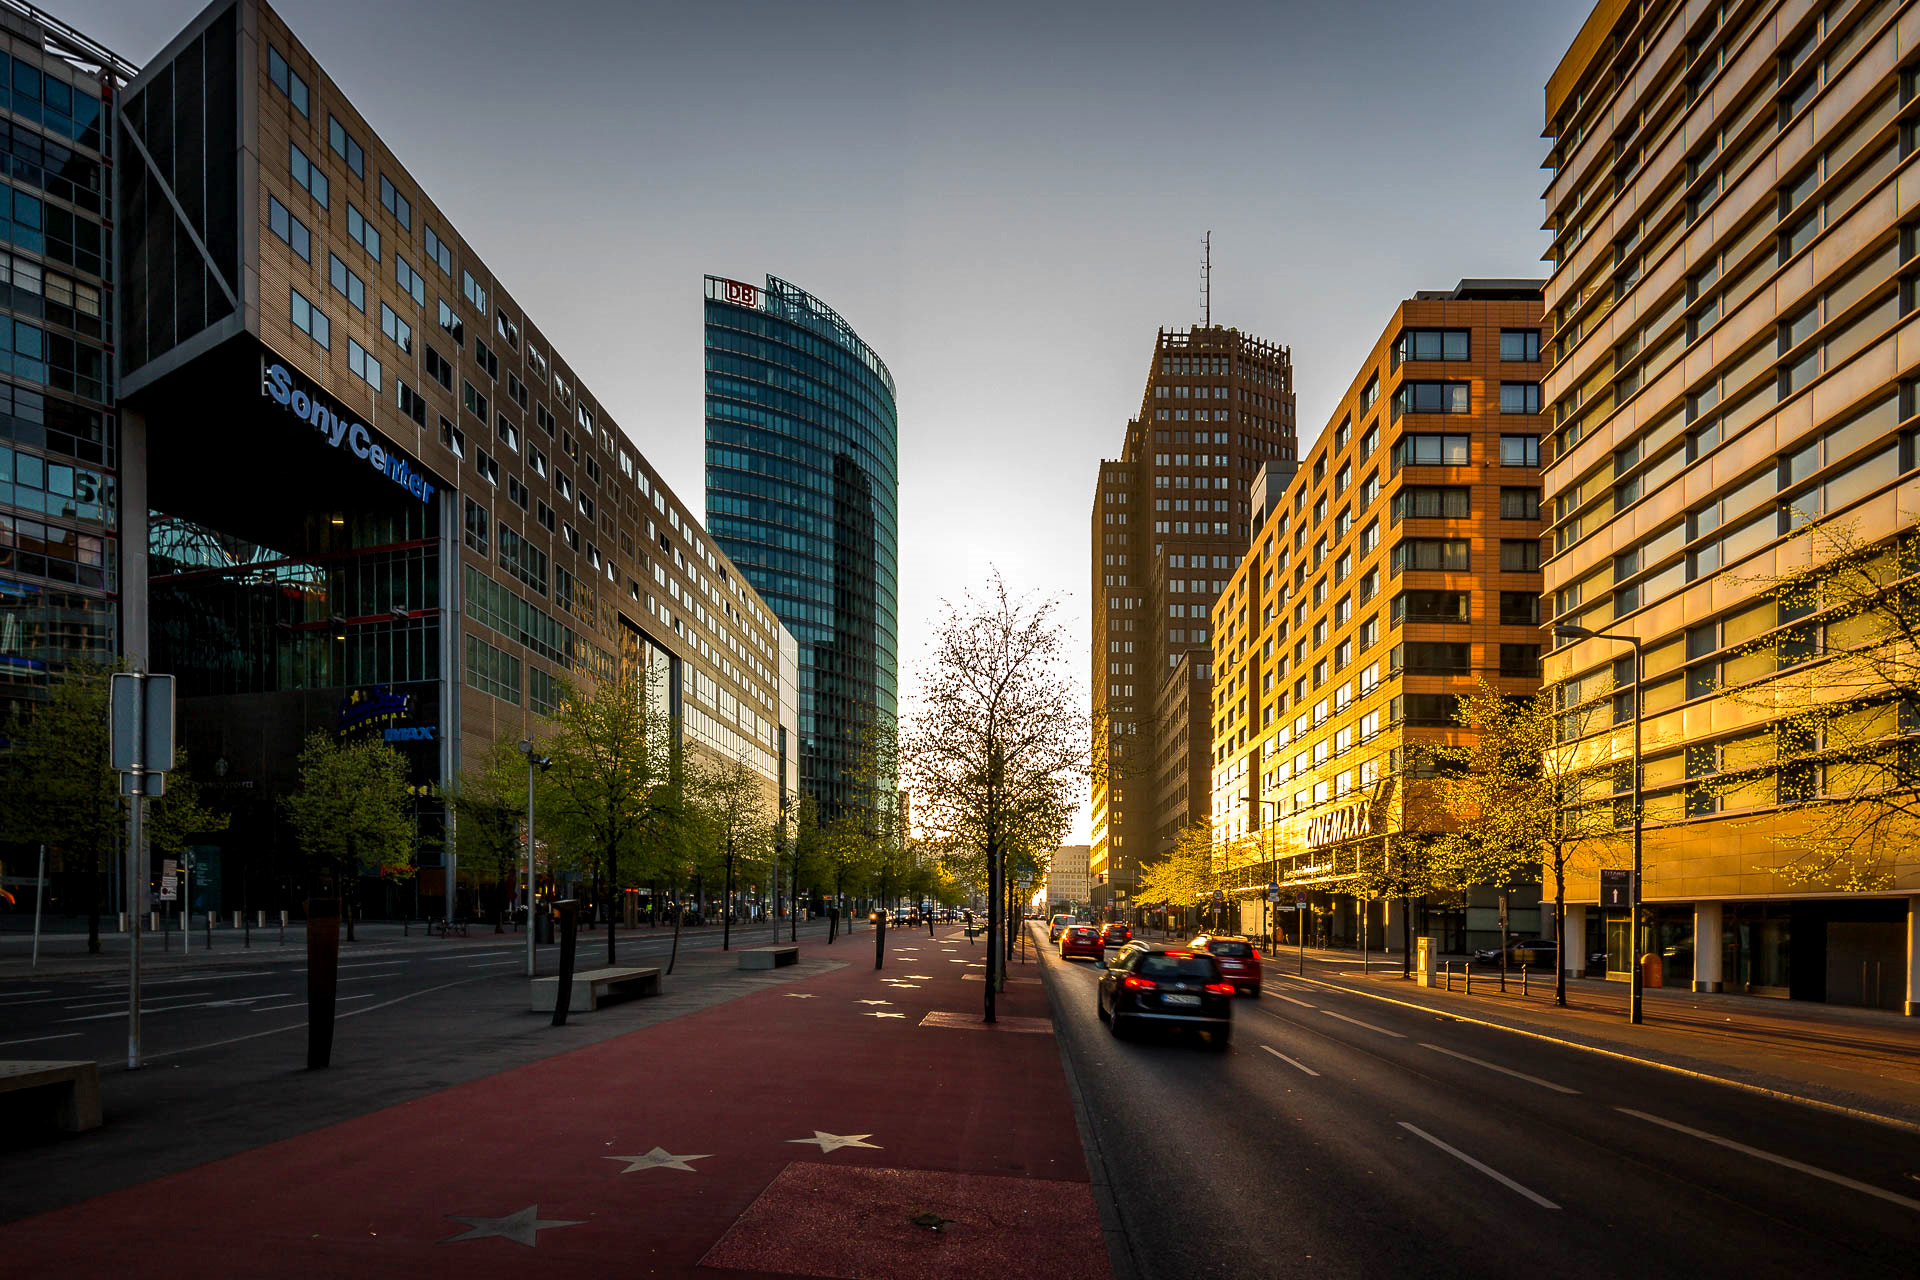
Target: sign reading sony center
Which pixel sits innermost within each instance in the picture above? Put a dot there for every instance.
(277, 384)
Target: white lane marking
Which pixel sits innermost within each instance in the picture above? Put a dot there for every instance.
(122, 1001)
(1290, 1000)
(1493, 1173)
(300, 1004)
(376, 964)
(145, 1009)
(1289, 1061)
(1505, 1071)
(64, 1035)
(1838, 1179)
(205, 977)
(11, 996)
(1368, 1025)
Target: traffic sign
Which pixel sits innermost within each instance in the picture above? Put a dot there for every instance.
(1616, 888)
(142, 722)
(1302, 903)
(1218, 897)
(1273, 892)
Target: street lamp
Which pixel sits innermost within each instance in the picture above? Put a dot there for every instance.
(541, 763)
(1635, 995)
(1266, 824)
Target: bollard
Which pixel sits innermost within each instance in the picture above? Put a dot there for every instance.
(209, 930)
(263, 918)
(1468, 966)
(153, 922)
(563, 992)
(1523, 979)
(323, 976)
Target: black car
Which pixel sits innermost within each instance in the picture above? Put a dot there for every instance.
(1535, 953)
(1153, 985)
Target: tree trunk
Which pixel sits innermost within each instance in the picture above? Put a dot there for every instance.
(93, 897)
(1560, 930)
(726, 914)
(674, 954)
(610, 889)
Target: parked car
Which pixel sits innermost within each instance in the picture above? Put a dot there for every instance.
(1115, 934)
(1081, 940)
(1535, 953)
(1059, 922)
(1239, 960)
(1156, 985)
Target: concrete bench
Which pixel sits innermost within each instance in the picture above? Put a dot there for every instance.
(593, 987)
(71, 1089)
(770, 957)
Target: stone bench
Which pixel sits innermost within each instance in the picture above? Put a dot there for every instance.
(71, 1089)
(770, 957)
(593, 987)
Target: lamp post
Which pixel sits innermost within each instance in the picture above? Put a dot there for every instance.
(1273, 872)
(540, 762)
(1635, 994)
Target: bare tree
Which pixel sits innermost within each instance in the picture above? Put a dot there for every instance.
(996, 750)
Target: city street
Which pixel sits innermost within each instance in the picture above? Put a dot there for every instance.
(1348, 1135)
(206, 998)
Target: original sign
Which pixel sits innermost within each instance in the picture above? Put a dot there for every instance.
(1616, 889)
(1339, 824)
(277, 384)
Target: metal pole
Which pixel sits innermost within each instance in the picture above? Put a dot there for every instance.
(39, 897)
(135, 813)
(1300, 917)
(1635, 1013)
(529, 898)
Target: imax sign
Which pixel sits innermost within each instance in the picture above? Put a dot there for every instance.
(277, 384)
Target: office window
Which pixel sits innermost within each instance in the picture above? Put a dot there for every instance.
(307, 174)
(1432, 397)
(410, 402)
(1519, 397)
(1520, 344)
(1519, 609)
(363, 365)
(487, 465)
(1432, 344)
(508, 433)
(1519, 451)
(346, 283)
(290, 229)
(362, 232)
(453, 437)
(484, 357)
(544, 514)
(517, 492)
(508, 330)
(1433, 554)
(1519, 555)
(437, 251)
(409, 280)
(438, 369)
(475, 292)
(1519, 504)
(451, 322)
(395, 203)
(475, 402)
(310, 320)
(476, 526)
(1520, 660)
(397, 329)
(1429, 606)
(1431, 451)
(1431, 502)
(345, 147)
(288, 81)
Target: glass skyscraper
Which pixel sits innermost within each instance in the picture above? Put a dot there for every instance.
(803, 495)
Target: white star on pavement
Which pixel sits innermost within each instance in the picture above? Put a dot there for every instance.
(835, 1141)
(873, 1002)
(924, 977)
(799, 995)
(959, 962)
(521, 1228)
(882, 1013)
(904, 986)
(656, 1159)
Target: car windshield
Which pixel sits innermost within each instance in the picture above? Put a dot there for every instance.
(1231, 949)
(1161, 966)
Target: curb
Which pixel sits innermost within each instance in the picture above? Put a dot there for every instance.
(1857, 1113)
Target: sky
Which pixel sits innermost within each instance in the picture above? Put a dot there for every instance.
(1006, 200)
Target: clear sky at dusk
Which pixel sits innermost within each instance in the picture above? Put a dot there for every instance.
(1006, 200)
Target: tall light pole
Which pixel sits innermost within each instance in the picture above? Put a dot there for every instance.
(1635, 994)
(534, 762)
(1266, 824)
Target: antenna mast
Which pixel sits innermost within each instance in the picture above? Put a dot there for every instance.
(1206, 280)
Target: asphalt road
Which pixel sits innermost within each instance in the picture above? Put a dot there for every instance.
(230, 995)
(1347, 1136)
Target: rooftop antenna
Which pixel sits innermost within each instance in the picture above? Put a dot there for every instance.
(1206, 280)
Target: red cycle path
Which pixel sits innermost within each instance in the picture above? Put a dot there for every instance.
(973, 1160)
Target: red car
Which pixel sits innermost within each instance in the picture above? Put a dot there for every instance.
(1080, 940)
(1239, 960)
(1115, 935)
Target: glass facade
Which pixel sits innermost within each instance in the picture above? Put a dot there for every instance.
(803, 495)
(58, 440)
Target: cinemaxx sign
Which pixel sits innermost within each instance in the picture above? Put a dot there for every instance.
(277, 383)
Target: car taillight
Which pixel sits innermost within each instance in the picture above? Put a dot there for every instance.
(1142, 984)
(1183, 955)
(1256, 954)
(1220, 988)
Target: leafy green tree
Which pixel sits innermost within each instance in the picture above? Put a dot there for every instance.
(617, 789)
(489, 801)
(1187, 873)
(734, 802)
(61, 789)
(350, 811)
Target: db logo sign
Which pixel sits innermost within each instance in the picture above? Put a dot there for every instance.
(743, 294)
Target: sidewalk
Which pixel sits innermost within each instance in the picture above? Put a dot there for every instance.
(1864, 1060)
(853, 1123)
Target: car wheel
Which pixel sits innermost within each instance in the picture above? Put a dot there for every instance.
(1219, 1040)
(1100, 1007)
(1255, 993)
(1113, 1024)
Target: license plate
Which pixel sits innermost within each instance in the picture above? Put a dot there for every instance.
(1180, 999)
(1229, 964)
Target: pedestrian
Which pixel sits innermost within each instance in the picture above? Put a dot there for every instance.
(929, 915)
